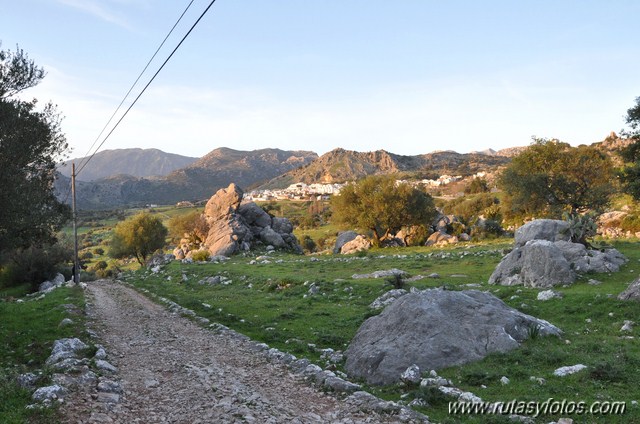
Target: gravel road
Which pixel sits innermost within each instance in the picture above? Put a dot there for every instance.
(173, 371)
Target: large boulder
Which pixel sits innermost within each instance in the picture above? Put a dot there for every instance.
(225, 202)
(435, 329)
(544, 257)
(343, 238)
(539, 263)
(542, 229)
(358, 244)
(225, 236)
(254, 215)
(440, 238)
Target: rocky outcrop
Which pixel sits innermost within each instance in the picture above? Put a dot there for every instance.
(434, 329)
(234, 227)
(632, 292)
(544, 257)
(440, 238)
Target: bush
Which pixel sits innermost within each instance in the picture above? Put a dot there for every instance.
(631, 223)
(34, 265)
(85, 255)
(201, 255)
(477, 185)
(98, 251)
(192, 224)
(470, 208)
(308, 244)
(99, 266)
(488, 229)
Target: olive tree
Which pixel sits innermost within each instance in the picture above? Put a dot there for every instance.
(138, 236)
(31, 143)
(630, 174)
(380, 204)
(551, 177)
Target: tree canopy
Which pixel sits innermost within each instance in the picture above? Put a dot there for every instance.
(630, 174)
(379, 204)
(31, 142)
(551, 177)
(138, 236)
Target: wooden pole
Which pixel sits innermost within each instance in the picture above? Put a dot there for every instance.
(76, 264)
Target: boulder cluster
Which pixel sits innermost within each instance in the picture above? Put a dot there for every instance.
(544, 256)
(233, 226)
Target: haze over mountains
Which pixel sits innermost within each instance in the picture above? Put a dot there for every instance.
(156, 177)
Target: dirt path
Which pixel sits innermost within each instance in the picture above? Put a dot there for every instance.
(173, 371)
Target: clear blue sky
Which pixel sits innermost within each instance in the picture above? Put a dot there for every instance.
(407, 76)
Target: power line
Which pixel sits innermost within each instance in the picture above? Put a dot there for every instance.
(146, 86)
(136, 82)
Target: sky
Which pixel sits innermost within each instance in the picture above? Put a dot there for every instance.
(406, 76)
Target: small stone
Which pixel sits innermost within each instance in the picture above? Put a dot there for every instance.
(563, 371)
(548, 295)
(65, 322)
(105, 397)
(627, 325)
(504, 380)
(151, 383)
(105, 366)
(48, 393)
(411, 375)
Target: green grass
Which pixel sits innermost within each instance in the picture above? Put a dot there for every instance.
(27, 332)
(270, 303)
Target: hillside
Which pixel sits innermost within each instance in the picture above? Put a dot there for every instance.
(339, 165)
(134, 162)
(197, 181)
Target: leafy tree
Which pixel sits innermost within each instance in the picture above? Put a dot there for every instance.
(630, 174)
(469, 208)
(379, 204)
(192, 225)
(31, 143)
(477, 185)
(138, 236)
(551, 177)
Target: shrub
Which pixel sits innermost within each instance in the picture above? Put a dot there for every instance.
(85, 255)
(308, 244)
(98, 251)
(631, 223)
(99, 265)
(34, 265)
(477, 185)
(488, 229)
(607, 371)
(201, 255)
(396, 281)
(192, 224)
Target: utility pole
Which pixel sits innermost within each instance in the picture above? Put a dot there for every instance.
(76, 267)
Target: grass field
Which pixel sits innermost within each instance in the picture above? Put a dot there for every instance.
(28, 331)
(270, 301)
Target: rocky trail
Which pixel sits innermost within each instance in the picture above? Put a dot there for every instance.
(170, 370)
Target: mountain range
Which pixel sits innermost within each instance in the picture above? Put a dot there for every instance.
(197, 181)
(134, 162)
(134, 177)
